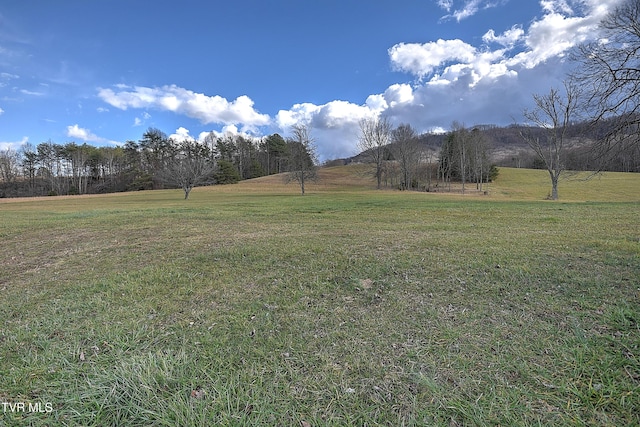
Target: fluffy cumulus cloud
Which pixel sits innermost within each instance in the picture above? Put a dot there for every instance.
(298, 113)
(564, 24)
(206, 109)
(332, 115)
(507, 39)
(560, 29)
(447, 61)
(182, 134)
(423, 59)
(85, 135)
(336, 114)
(13, 145)
(334, 124)
(398, 94)
(556, 6)
(226, 131)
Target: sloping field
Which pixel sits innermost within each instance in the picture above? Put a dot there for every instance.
(249, 305)
(512, 184)
(530, 184)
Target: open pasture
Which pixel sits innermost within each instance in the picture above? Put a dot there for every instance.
(251, 305)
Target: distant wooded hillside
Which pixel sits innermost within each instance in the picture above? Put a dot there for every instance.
(509, 149)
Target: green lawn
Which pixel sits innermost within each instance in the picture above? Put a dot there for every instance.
(532, 184)
(251, 305)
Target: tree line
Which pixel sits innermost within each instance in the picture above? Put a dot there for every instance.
(399, 158)
(154, 162)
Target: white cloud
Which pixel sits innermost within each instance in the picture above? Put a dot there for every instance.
(336, 114)
(470, 88)
(555, 33)
(556, 6)
(8, 76)
(299, 113)
(202, 136)
(437, 130)
(468, 8)
(181, 134)
(507, 39)
(31, 93)
(423, 59)
(445, 4)
(5, 78)
(458, 81)
(465, 62)
(331, 115)
(551, 36)
(398, 94)
(376, 103)
(76, 132)
(334, 125)
(13, 145)
(206, 109)
(228, 130)
(139, 121)
(1, 111)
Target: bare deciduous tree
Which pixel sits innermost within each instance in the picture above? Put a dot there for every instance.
(9, 161)
(302, 157)
(609, 72)
(479, 166)
(454, 155)
(553, 112)
(405, 152)
(375, 135)
(461, 134)
(189, 167)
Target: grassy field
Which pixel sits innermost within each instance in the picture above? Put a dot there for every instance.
(251, 305)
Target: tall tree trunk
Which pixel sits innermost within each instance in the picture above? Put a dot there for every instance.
(554, 185)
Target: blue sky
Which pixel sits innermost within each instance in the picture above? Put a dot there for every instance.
(104, 71)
